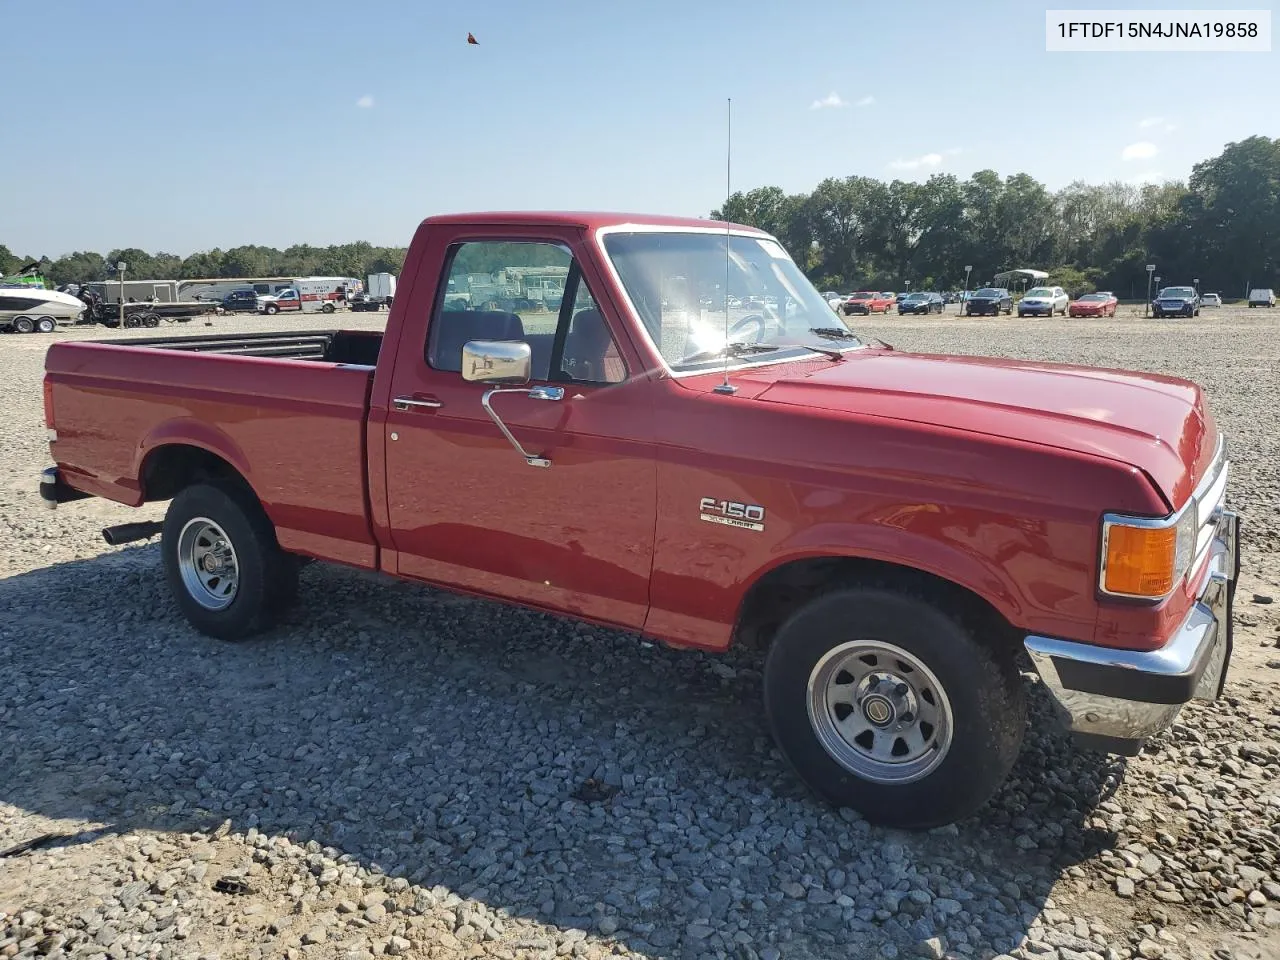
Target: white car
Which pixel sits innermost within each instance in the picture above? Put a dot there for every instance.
(1044, 301)
(1262, 298)
(1210, 300)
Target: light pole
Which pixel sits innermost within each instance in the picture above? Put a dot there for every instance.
(1151, 269)
(121, 266)
(968, 268)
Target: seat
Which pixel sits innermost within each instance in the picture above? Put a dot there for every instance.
(453, 328)
(590, 353)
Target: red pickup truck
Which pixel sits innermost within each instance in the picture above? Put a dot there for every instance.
(652, 423)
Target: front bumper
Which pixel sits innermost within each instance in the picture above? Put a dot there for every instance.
(1113, 700)
(1036, 309)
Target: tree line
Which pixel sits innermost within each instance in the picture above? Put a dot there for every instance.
(303, 260)
(1221, 226)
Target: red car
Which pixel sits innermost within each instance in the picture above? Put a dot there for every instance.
(1093, 305)
(895, 529)
(866, 302)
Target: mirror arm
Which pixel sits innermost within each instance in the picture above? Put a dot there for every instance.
(536, 393)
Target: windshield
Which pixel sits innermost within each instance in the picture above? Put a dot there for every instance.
(987, 292)
(862, 296)
(1178, 292)
(677, 284)
(1093, 296)
(914, 296)
(1040, 292)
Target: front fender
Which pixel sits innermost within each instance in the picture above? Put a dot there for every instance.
(965, 567)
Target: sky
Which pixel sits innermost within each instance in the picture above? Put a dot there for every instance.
(180, 127)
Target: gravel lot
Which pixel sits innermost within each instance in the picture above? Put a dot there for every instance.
(398, 771)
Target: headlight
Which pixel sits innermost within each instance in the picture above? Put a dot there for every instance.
(1145, 558)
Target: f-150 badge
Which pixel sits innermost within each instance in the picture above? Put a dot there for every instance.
(748, 516)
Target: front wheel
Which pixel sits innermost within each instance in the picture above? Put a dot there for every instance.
(328, 308)
(227, 572)
(884, 703)
(272, 309)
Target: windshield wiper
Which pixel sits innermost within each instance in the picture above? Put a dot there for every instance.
(835, 333)
(736, 348)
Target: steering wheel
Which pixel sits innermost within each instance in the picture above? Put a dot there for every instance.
(754, 322)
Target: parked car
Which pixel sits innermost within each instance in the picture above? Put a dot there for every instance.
(912, 525)
(1262, 298)
(1044, 302)
(920, 302)
(1176, 302)
(834, 300)
(1094, 305)
(992, 300)
(242, 301)
(867, 302)
(1210, 300)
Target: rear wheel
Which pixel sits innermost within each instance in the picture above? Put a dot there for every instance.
(887, 704)
(23, 325)
(227, 572)
(46, 324)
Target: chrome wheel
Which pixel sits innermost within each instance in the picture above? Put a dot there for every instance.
(879, 712)
(208, 563)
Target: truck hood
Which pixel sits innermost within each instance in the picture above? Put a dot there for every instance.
(1155, 423)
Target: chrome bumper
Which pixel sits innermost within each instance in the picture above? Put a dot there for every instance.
(54, 490)
(1113, 700)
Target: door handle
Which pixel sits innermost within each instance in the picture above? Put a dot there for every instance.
(408, 403)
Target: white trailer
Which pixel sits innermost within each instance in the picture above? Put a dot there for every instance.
(382, 286)
(164, 291)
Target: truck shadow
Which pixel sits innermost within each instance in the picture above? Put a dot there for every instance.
(448, 741)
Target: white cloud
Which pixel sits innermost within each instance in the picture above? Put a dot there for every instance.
(1157, 123)
(1139, 151)
(365, 102)
(866, 101)
(917, 163)
(832, 99)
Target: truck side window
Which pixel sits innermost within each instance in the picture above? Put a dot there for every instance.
(590, 352)
(499, 290)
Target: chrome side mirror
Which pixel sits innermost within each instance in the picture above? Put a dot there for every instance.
(496, 361)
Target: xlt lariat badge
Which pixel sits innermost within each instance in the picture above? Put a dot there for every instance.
(748, 516)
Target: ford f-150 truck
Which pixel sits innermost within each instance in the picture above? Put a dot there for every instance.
(656, 424)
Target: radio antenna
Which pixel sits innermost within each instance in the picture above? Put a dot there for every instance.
(725, 386)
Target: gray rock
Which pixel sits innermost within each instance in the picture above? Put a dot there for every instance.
(932, 948)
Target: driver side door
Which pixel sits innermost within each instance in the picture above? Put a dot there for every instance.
(465, 507)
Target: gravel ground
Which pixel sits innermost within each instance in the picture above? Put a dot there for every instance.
(398, 771)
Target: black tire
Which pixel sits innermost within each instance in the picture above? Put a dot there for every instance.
(986, 696)
(328, 308)
(23, 325)
(272, 309)
(268, 577)
(46, 324)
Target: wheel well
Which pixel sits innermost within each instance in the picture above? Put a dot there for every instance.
(171, 468)
(780, 592)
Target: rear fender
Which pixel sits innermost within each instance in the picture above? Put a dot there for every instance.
(191, 432)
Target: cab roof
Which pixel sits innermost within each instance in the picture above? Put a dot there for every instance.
(590, 220)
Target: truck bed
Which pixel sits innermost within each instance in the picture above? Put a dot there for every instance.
(135, 410)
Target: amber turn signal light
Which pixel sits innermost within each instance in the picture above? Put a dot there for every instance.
(1140, 561)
